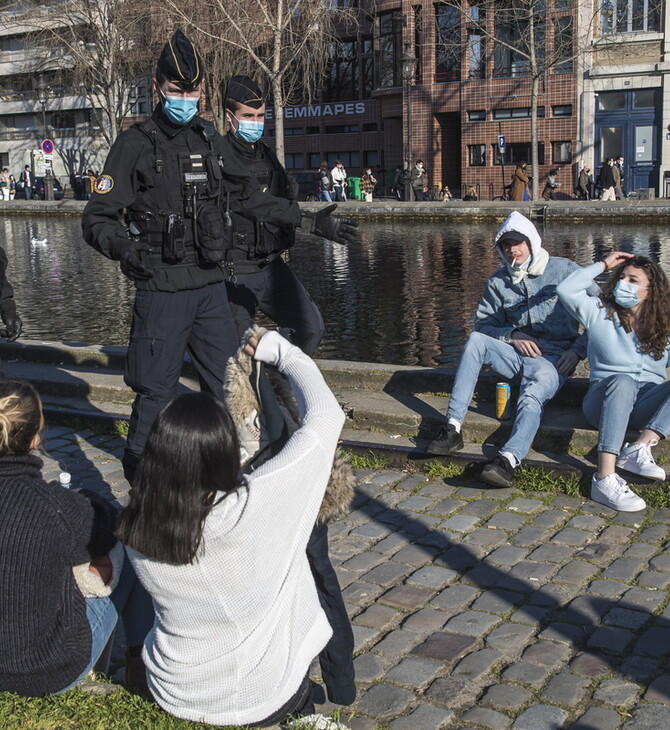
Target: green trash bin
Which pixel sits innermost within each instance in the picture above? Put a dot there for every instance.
(354, 188)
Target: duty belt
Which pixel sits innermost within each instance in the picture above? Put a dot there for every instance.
(250, 266)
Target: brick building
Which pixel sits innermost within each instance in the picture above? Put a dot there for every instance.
(467, 89)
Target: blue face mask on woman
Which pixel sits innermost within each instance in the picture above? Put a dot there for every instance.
(249, 131)
(179, 109)
(625, 294)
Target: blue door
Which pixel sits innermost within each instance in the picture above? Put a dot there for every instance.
(627, 124)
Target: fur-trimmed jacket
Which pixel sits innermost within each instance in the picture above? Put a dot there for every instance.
(262, 405)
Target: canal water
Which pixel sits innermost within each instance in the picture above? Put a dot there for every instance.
(405, 293)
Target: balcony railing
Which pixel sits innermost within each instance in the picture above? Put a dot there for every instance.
(51, 133)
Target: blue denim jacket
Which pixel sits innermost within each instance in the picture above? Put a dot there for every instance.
(531, 306)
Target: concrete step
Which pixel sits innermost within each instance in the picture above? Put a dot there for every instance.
(345, 374)
(389, 408)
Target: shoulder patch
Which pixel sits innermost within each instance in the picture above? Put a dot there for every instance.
(103, 184)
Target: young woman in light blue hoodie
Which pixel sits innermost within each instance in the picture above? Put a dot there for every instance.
(628, 328)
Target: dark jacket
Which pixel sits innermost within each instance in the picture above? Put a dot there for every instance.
(45, 530)
(143, 173)
(606, 178)
(264, 220)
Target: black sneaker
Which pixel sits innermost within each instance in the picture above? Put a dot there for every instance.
(448, 440)
(498, 473)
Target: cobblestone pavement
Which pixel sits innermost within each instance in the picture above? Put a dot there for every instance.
(477, 608)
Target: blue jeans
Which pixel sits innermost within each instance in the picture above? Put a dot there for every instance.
(131, 602)
(612, 404)
(325, 197)
(538, 380)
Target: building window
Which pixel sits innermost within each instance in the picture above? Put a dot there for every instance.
(342, 77)
(447, 43)
(295, 161)
(645, 99)
(628, 16)
(315, 160)
(611, 101)
(390, 48)
(292, 131)
(513, 28)
(342, 128)
(518, 151)
(63, 120)
(139, 98)
(367, 67)
(477, 155)
(561, 152)
(563, 52)
(562, 110)
(371, 158)
(522, 112)
(348, 159)
(476, 56)
(477, 115)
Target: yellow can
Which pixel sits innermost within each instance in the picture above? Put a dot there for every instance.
(503, 392)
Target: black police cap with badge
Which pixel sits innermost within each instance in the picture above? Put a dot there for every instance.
(245, 91)
(179, 63)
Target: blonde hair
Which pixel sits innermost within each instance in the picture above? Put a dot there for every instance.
(20, 416)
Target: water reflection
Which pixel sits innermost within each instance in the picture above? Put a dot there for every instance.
(405, 294)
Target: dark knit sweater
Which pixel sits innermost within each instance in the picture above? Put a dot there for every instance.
(45, 639)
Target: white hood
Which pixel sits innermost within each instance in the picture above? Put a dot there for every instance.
(539, 257)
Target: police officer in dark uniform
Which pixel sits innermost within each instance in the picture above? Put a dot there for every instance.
(259, 277)
(157, 209)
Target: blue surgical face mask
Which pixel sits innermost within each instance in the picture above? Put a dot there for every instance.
(249, 131)
(179, 109)
(625, 294)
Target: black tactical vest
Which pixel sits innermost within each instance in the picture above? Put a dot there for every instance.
(178, 208)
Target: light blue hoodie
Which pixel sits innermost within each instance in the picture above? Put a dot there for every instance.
(527, 300)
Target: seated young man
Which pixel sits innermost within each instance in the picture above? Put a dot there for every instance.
(523, 333)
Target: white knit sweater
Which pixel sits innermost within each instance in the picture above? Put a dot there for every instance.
(235, 632)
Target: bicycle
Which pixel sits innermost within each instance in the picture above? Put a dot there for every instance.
(505, 191)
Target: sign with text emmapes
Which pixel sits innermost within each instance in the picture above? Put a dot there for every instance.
(320, 110)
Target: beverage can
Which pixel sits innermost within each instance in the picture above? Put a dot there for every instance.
(503, 392)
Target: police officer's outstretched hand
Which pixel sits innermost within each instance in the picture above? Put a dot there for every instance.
(127, 253)
(333, 227)
(13, 326)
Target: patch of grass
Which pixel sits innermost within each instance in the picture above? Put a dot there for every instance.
(656, 495)
(369, 460)
(438, 470)
(76, 710)
(121, 428)
(539, 480)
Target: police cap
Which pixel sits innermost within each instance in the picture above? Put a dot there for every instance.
(245, 91)
(180, 63)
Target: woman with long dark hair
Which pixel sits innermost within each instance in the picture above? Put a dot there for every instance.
(223, 556)
(628, 328)
(60, 594)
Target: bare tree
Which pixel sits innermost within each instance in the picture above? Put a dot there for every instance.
(529, 38)
(285, 44)
(105, 46)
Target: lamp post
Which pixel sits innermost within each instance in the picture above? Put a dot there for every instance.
(408, 60)
(42, 98)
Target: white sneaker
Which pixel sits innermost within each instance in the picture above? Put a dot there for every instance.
(313, 722)
(613, 492)
(637, 459)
